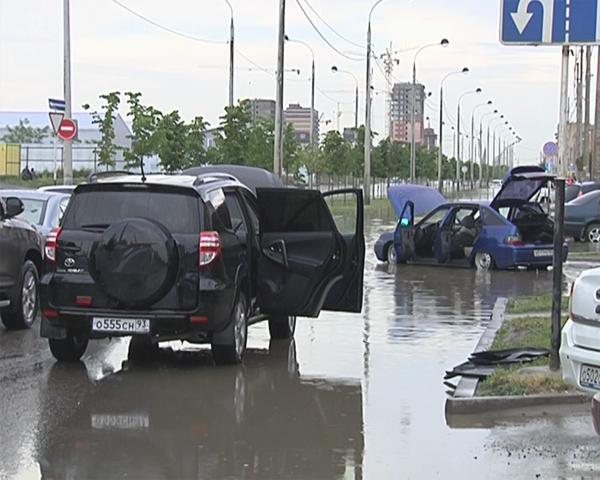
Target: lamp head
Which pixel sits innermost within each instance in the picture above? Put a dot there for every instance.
(445, 42)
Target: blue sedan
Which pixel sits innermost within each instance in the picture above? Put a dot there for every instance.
(510, 232)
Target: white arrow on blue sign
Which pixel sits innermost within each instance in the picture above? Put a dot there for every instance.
(57, 105)
(550, 22)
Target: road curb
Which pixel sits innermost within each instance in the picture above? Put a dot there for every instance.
(464, 400)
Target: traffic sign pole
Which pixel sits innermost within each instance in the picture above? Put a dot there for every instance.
(68, 145)
(563, 163)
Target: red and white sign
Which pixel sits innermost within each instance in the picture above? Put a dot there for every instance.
(67, 129)
(56, 119)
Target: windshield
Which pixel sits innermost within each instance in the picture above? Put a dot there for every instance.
(34, 211)
(178, 212)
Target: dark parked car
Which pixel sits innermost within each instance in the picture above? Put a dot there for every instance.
(580, 189)
(582, 218)
(42, 209)
(20, 262)
(196, 258)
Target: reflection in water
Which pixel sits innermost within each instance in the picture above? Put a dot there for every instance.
(179, 420)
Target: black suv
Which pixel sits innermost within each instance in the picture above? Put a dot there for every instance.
(197, 258)
(20, 261)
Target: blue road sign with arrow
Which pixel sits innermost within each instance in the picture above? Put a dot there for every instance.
(550, 22)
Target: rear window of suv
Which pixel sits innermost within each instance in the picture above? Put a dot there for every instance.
(178, 212)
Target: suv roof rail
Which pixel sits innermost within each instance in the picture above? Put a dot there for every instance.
(213, 177)
(94, 177)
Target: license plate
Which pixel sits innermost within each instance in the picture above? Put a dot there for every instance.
(589, 377)
(121, 325)
(543, 253)
(124, 422)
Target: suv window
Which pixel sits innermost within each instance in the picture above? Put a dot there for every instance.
(238, 221)
(178, 212)
(306, 213)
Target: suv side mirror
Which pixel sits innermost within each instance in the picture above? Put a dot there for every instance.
(14, 207)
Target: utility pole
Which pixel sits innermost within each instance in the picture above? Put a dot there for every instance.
(231, 59)
(488, 156)
(480, 153)
(388, 64)
(278, 154)
(596, 150)
(441, 144)
(413, 134)
(563, 139)
(458, 150)
(587, 159)
(367, 172)
(472, 172)
(312, 106)
(68, 144)
(579, 126)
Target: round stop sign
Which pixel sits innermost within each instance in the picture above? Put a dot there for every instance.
(67, 129)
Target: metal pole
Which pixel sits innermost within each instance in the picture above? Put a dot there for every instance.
(587, 159)
(413, 139)
(441, 143)
(312, 106)
(494, 155)
(367, 173)
(68, 144)
(54, 152)
(564, 114)
(488, 156)
(480, 153)
(559, 216)
(356, 108)
(231, 60)
(472, 172)
(595, 167)
(278, 154)
(579, 109)
(458, 149)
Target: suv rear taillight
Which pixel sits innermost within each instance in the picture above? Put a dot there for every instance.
(514, 240)
(210, 248)
(51, 243)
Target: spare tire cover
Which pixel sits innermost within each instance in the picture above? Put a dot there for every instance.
(135, 261)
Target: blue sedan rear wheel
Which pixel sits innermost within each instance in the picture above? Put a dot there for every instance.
(391, 256)
(483, 261)
(592, 233)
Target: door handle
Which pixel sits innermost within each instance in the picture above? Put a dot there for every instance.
(277, 252)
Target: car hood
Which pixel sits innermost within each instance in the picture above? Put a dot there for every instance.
(521, 184)
(424, 199)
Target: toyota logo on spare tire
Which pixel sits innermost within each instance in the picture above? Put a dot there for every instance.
(135, 261)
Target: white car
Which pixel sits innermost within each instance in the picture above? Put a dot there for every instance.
(580, 350)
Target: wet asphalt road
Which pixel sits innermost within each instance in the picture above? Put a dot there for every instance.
(356, 396)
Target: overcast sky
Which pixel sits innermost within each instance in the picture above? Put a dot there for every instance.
(114, 50)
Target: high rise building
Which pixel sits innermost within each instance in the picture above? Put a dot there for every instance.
(401, 120)
(429, 138)
(299, 118)
(262, 108)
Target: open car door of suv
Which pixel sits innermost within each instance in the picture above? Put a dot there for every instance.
(306, 264)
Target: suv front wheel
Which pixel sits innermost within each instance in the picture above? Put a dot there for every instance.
(69, 349)
(233, 349)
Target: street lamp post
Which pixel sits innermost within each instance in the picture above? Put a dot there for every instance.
(68, 144)
(335, 69)
(441, 133)
(367, 172)
(472, 92)
(477, 107)
(312, 90)
(487, 149)
(413, 141)
(231, 54)
(278, 147)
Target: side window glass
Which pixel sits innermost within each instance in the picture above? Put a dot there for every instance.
(434, 218)
(62, 207)
(252, 212)
(293, 211)
(238, 221)
(343, 208)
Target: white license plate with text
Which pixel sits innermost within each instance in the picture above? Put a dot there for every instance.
(543, 253)
(120, 325)
(589, 377)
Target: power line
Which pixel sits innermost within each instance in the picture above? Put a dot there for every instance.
(339, 35)
(339, 52)
(165, 28)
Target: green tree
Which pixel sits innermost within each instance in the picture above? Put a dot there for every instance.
(233, 142)
(105, 147)
(291, 152)
(25, 133)
(145, 120)
(170, 140)
(260, 146)
(335, 152)
(194, 142)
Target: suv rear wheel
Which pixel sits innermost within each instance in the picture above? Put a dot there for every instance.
(234, 350)
(282, 327)
(69, 349)
(26, 305)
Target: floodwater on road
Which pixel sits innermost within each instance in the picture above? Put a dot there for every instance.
(354, 397)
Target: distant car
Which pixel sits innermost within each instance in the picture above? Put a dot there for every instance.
(580, 189)
(580, 349)
(42, 209)
(59, 188)
(20, 264)
(511, 232)
(582, 218)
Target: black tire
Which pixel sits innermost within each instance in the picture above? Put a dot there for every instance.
(142, 349)
(282, 327)
(69, 349)
(390, 254)
(484, 262)
(592, 233)
(232, 353)
(26, 305)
